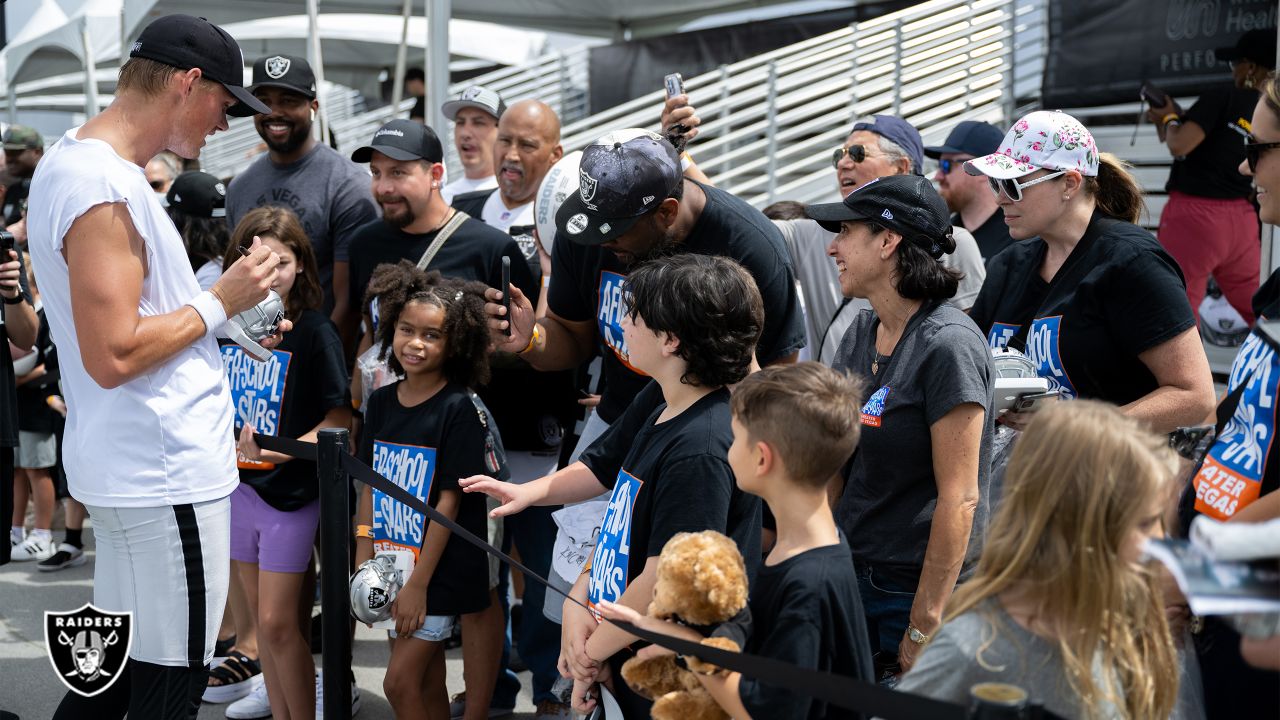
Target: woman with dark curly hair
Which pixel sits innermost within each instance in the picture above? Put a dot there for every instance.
(691, 323)
(424, 433)
(915, 496)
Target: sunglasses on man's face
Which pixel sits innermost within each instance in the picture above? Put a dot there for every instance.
(856, 153)
(947, 165)
(1012, 189)
(1253, 152)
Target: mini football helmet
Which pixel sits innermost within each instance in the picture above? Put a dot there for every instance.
(1011, 363)
(374, 586)
(257, 323)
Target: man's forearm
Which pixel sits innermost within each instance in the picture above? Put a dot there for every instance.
(22, 324)
(154, 341)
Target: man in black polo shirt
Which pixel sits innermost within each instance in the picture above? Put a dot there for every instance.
(970, 196)
(633, 203)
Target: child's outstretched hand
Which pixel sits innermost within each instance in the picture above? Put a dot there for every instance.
(514, 498)
(409, 609)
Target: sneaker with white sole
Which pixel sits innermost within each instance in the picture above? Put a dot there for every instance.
(355, 698)
(33, 548)
(458, 708)
(66, 556)
(253, 706)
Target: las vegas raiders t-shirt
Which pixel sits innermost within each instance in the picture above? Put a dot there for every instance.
(674, 478)
(587, 285)
(426, 449)
(1086, 336)
(287, 396)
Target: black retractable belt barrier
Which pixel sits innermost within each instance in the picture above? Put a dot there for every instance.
(334, 467)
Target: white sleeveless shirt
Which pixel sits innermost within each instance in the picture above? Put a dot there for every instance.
(166, 436)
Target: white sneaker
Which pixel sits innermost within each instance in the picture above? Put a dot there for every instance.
(355, 697)
(33, 548)
(253, 706)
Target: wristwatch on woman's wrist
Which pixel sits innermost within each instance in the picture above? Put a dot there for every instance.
(916, 636)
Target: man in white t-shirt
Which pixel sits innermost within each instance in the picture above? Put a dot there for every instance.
(475, 115)
(149, 448)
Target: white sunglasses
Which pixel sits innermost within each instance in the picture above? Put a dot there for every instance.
(1013, 189)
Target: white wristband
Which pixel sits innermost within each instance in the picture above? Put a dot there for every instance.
(210, 310)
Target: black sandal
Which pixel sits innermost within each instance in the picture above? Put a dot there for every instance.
(223, 647)
(233, 678)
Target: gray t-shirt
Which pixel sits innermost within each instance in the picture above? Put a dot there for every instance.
(890, 492)
(986, 645)
(329, 194)
(967, 259)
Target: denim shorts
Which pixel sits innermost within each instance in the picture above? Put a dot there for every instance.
(437, 628)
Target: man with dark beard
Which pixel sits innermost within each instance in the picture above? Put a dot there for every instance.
(324, 189)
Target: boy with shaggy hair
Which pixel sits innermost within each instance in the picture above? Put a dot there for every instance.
(794, 427)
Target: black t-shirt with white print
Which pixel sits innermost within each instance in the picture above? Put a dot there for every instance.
(587, 285)
(287, 396)
(426, 449)
(9, 383)
(1086, 337)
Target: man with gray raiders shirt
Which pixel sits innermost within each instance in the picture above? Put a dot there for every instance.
(327, 191)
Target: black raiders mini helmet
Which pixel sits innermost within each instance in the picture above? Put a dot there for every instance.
(374, 586)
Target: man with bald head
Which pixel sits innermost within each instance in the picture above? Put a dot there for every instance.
(531, 408)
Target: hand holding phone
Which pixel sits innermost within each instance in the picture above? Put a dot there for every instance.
(506, 294)
(1030, 402)
(674, 84)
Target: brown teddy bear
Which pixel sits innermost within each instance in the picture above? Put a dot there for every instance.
(701, 582)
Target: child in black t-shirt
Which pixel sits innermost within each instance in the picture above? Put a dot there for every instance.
(275, 510)
(793, 429)
(691, 323)
(424, 433)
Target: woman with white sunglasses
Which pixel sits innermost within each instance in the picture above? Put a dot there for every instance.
(1091, 298)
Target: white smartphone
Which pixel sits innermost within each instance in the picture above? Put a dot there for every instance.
(1008, 390)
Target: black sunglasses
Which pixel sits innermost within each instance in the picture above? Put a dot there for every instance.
(1253, 152)
(857, 153)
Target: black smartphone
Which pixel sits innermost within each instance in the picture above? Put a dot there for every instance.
(506, 293)
(674, 84)
(1153, 96)
(7, 243)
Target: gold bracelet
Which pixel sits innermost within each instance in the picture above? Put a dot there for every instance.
(364, 531)
(533, 339)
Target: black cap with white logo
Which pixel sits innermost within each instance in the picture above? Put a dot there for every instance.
(906, 204)
(186, 42)
(622, 176)
(284, 71)
(198, 194)
(403, 140)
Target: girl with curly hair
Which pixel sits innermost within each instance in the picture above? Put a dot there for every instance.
(424, 433)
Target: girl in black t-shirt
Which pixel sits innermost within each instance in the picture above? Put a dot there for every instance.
(1091, 298)
(275, 510)
(424, 433)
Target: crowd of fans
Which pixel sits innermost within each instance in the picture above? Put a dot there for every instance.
(616, 384)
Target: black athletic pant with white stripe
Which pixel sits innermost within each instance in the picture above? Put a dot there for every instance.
(168, 566)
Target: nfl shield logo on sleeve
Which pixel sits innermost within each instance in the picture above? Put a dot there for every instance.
(88, 647)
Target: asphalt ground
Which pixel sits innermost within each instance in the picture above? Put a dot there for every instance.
(30, 688)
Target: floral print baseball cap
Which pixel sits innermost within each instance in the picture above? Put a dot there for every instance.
(1052, 140)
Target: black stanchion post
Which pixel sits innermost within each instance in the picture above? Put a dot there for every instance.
(335, 534)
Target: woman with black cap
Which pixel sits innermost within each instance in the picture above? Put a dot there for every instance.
(198, 207)
(1209, 224)
(915, 495)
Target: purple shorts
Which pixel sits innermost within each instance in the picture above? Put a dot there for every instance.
(275, 540)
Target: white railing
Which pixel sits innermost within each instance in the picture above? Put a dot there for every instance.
(769, 123)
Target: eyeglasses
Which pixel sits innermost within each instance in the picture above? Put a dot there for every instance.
(856, 153)
(947, 165)
(1013, 189)
(1253, 152)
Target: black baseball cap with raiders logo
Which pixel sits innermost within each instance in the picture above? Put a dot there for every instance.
(622, 176)
(187, 42)
(284, 71)
(403, 139)
(199, 194)
(907, 204)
